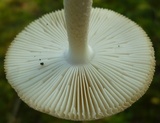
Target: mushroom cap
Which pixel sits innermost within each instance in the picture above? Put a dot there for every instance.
(119, 73)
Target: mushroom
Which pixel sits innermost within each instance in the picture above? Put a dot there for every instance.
(80, 63)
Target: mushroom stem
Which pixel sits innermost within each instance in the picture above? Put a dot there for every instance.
(77, 14)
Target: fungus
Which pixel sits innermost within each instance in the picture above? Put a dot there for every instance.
(98, 62)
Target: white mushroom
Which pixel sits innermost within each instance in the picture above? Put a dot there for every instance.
(80, 63)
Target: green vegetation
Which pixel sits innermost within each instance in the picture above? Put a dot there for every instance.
(16, 14)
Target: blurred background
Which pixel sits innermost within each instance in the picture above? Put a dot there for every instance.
(16, 14)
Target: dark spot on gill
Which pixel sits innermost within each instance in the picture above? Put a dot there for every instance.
(42, 63)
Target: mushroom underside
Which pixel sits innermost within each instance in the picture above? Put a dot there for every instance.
(118, 74)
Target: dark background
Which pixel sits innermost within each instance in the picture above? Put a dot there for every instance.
(16, 14)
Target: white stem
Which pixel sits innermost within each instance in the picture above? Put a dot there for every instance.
(77, 14)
